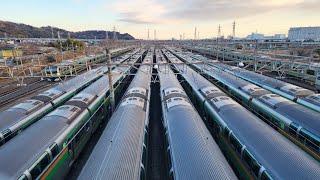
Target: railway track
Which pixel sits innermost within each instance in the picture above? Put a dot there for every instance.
(12, 87)
(23, 92)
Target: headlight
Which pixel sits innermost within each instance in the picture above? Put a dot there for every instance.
(58, 74)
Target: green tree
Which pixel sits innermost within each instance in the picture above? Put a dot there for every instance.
(51, 59)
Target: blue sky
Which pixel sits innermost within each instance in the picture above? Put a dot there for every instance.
(169, 18)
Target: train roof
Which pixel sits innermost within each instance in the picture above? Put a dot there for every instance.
(281, 158)
(306, 118)
(300, 115)
(190, 141)
(117, 154)
(8, 117)
(276, 84)
(78, 80)
(314, 98)
(18, 154)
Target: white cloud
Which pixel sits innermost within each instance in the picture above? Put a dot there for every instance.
(179, 11)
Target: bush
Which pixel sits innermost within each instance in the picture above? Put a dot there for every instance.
(51, 59)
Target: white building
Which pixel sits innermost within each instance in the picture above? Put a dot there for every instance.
(255, 36)
(279, 36)
(302, 33)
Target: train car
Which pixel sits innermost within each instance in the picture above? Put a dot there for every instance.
(121, 151)
(48, 148)
(191, 150)
(298, 123)
(294, 93)
(310, 74)
(297, 94)
(55, 72)
(255, 149)
(19, 117)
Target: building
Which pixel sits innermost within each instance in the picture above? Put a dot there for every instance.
(303, 33)
(279, 36)
(255, 36)
(10, 52)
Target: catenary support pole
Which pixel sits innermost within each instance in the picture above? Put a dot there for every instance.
(109, 63)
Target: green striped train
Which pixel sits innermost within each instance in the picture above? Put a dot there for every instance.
(47, 149)
(54, 72)
(307, 72)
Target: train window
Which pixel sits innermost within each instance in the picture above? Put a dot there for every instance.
(23, 177)
(40, 165)
(235, 143)
(293, 128)
(265, 176)
(169, 158)
(171, 175)
(255, 167)
(247, 158)
(144, 155)
(310, 72)
(226, 132)
(54, 150)
(311, 142)
(35, 171)
(44, 162)
(142, 174)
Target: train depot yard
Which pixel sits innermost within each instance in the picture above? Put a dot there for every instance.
(188, 90)
(145, 111)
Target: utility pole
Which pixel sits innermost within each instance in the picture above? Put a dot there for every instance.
(148, 34)
(114, 33)
(219, 34)
(60, 46)
(233, 29)
(255, 54)
(109, 64)
(195, 33)
(52, 32)
(72, 49)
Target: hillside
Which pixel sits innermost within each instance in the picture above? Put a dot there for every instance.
(26, 31)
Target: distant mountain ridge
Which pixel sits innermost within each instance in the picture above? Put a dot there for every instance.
(19, 30)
